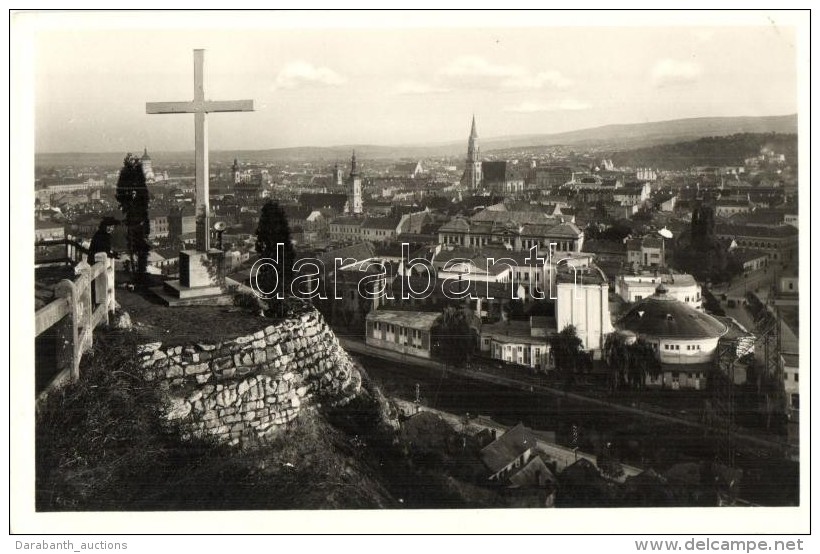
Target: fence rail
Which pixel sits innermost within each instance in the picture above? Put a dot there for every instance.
(80, 306)
(72, 252)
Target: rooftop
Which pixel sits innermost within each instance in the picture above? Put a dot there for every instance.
(509, 446)
(412, 320)
(662, 316)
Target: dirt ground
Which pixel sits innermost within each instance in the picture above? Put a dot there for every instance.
(186, 324)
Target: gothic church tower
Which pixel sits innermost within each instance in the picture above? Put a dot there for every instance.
(472, 171)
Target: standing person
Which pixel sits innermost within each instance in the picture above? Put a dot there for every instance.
(101, 241)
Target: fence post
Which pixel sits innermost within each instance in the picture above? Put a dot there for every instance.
(84, 284)
(68, 331)
(111, 285)
(70, 249)
(100, 284)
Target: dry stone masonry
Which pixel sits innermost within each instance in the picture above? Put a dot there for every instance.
(246, 387)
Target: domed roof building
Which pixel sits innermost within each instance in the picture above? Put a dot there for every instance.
(684, 339)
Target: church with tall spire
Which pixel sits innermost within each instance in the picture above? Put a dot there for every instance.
(472, 171)
(354, 194)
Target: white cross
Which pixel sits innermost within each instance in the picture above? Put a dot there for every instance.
(199, 107)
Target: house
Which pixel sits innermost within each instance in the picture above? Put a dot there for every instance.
(519, 342)
(646, 252)
(346, 229)
(665, 202)
(158, 224)
(379, 229)
(750, 259)
(632, 194)
(509, 453)
(534, 474)
(402, 331)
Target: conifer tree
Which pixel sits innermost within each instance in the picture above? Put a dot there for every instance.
(273, 229)
(132, 196)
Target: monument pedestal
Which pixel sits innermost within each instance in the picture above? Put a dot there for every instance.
(201, 278)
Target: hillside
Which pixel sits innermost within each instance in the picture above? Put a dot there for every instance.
(709, 151)
(635, 135)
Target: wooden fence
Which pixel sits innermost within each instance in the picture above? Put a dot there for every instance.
(58, 251)
(80, 306)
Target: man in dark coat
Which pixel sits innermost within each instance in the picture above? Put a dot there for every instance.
(101, 241)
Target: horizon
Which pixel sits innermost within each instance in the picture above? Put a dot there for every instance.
(429, 144)
(332, 79)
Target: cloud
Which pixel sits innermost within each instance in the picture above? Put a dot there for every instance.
(669, 71)
(551, 79)
(300, 73)
(475, 69)
(415, 87)
(569, 104)
(474, 66)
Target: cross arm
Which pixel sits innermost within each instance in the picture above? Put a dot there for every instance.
(199, 107)
(228, 106)
(170, 107)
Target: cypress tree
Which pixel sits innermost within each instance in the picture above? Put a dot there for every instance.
(132, 196)
(273, 229)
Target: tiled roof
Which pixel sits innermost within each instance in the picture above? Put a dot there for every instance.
(755, 231)
(509, 446)
(381, 223)
(530, 474)
(413, 320)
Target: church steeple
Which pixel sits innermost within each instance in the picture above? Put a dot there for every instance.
(472, 171)
(354, 194)
(237, 172)
(147, 166)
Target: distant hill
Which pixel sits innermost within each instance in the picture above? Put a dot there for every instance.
(639, 135)
(635, 135)
(709, 151)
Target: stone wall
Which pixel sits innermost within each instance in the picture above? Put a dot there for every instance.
(245, 388)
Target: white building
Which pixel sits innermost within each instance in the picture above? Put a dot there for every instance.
(403, 332)
(685, 340)
(583, 302)
(680, 286)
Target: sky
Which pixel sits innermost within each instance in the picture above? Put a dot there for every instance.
(323, 79)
